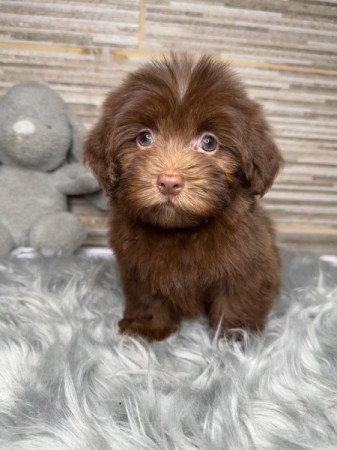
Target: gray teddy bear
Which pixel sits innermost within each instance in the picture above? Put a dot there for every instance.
(40, 146)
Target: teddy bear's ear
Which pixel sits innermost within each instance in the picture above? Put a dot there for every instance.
(262, 159)
(78, 136)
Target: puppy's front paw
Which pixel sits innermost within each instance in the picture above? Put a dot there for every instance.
(146, 328)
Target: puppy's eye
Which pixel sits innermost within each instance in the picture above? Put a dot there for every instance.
(208, 143)
(145, 138)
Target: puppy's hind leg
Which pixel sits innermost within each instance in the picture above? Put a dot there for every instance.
(241, 307)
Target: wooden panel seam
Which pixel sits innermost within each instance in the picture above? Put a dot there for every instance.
(140, 35)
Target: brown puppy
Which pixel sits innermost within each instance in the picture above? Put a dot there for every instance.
(181, 152)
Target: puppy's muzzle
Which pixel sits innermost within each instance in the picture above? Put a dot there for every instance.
(170, 183)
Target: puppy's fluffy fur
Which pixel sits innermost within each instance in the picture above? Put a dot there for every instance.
(207, 246)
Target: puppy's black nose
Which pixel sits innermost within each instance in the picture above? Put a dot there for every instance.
(170, 183)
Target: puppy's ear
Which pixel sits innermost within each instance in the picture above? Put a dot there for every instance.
(97, 150)
(262, 159)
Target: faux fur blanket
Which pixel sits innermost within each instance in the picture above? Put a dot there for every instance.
(69, 381)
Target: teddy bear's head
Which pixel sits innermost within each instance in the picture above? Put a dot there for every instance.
(37, 131)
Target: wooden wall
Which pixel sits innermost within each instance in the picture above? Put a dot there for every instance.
(285, 50)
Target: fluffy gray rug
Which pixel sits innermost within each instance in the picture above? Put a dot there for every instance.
(69, 381)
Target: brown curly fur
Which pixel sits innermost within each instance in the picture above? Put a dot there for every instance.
(211, 250)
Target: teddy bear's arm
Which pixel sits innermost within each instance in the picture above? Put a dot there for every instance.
(78, 135)
(74, 179)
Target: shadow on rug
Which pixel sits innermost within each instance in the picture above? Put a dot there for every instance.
(69, 381)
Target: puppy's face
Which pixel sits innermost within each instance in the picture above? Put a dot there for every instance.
(177, 140)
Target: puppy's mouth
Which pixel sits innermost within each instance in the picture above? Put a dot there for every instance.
(169, 201)
(168, 215)
(172, 212)
(186, 220)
